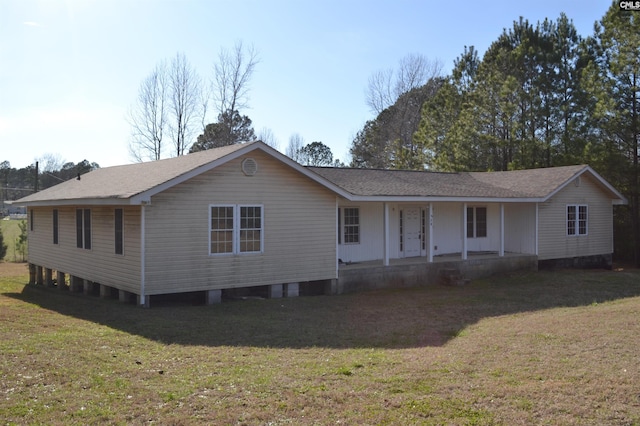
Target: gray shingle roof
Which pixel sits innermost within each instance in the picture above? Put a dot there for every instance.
(135, 183)
(123, 182)
(536, 183)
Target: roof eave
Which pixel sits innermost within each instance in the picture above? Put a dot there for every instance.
(75, 202)
(432, 199)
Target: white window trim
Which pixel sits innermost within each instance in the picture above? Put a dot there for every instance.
(576, 221)
(235, 244)
(475, 221)
(237, 233)
(344, 239)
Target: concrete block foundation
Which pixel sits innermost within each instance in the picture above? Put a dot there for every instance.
(418, 272)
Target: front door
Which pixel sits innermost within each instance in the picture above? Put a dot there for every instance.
(412, 232)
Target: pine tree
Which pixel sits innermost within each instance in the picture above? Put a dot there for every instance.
(3, 246)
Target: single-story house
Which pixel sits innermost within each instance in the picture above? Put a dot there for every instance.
(246, 215)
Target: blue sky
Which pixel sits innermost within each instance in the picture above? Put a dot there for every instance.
(70, 69)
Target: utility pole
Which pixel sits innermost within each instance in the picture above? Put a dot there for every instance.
(35, 186)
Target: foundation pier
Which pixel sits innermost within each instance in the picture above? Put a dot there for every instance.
(87, 287)
(61, 280)
(48, 277)
(105, 291)
(32, 273)
(292, 290)
(39, 275)
(76, 284)
(275, 291)
(213, 297)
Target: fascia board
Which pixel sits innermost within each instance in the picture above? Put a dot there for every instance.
(76, 202)
(414, 199)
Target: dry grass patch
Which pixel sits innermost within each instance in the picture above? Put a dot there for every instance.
(534, 348)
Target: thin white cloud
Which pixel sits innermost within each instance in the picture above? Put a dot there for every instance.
(32, 24)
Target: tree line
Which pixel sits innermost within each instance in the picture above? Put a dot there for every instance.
(541, 95)
(17, 183)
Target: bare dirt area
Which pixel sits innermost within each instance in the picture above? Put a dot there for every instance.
(13, 269)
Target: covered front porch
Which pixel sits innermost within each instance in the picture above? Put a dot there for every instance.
(387, 231)
(417, 271)
(411, 242)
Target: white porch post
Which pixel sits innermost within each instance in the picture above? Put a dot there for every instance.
(385, 258)
(143, 298)
(464, 231)
(537, 231)
(338, 230)
(501, 253)
(430, 237)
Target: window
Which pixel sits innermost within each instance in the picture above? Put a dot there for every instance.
(250, 229)
(31, 220)
(83, 228)
(119, 231)
(476, 222)
(221, 230)
(236, 229)
(577, 217)
(55, 226)
(351, 225)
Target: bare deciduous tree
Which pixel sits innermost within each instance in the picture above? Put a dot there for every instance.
(231, 75)
(184, 102)
(267, 136)
(169, 103)
(386, 86)
(148, 117)
(296, 143)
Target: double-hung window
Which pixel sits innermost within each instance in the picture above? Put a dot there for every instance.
(83, 228)
(577, 219)
(351, 225)
(236, 229)
(476, 222)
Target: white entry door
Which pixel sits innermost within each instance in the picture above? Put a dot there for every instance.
(412, 232)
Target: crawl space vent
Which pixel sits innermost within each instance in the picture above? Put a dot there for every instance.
(249, 166)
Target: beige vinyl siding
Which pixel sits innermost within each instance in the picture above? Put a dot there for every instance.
(447, 228)
(298, 230)
(552, 215)
(520, 228)
(371, 244)
(99, 264)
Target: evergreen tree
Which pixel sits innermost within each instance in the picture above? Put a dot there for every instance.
(3, 246)
(613, 77)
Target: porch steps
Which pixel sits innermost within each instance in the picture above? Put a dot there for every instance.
(453, 278)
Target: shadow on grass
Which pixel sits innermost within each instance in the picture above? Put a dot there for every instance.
(401, 318)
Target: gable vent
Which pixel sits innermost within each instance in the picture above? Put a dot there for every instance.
(249, 166)
(577, 181)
